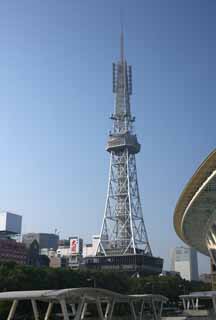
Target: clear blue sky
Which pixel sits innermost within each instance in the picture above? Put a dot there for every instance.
(56, 99)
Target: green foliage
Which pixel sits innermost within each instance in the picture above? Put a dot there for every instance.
(16, 277)
(170, 286)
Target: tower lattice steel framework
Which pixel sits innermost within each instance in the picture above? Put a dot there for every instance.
(123, 230)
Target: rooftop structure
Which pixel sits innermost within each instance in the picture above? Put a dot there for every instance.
(10, 223)
(195, 214)
(123, 233)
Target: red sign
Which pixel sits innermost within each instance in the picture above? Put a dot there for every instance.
(74, 246)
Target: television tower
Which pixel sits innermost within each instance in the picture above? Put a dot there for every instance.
(123, 230)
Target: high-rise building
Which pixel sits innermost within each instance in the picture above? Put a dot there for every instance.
(184, 261)
(10, 223)
(123, 242)
(45, 240)
(10, 249)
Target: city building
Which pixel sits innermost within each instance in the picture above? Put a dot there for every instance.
(55, 262)
(10, 224)
(33, 252)
(72, 254)
(45, 240)
(64, 242)
(68, 254)
(184, 261)
(194, 216)
(123, 242)
(35, 257)
(10, 228)
(90, 249)
(74, 247)
(11, 250)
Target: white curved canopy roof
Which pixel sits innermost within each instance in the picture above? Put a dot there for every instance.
(74, 294)
(195, 210)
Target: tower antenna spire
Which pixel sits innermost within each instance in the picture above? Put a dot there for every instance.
(121, 40)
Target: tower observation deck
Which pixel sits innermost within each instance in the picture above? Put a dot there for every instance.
(123, 239)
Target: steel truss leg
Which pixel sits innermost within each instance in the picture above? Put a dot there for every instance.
(64, 309)
(184, 304)
(141, 310)
(49, 310)
(197, 303)
(35, 309)
(79, 309)
(84, 310)
(73, 308)
(133, 312)
(214, 303)
(12, 310)
(157, 311)
(110, 310)
(193, 304)
(161, 309)
(188, 304)
(107, 310)
(99, 309)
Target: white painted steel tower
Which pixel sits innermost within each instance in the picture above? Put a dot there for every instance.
(123, 230)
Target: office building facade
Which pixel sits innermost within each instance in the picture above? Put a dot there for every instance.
(184, 261)
(45, 240)
(10, 250)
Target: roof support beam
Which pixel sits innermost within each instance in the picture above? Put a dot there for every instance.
(197, 303)
(193, 303)
(49, 310)
(141, 309)
(12, 310)
(111, 309)
(35, 309)
(161, 309)
(99, 309)
(214, 303)
(133, 313)
(64, 309)
(73, 308)
(85, 305)
(188, 304)
(108, 306)
(157, 307)
(154, 310)
(80, 309)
